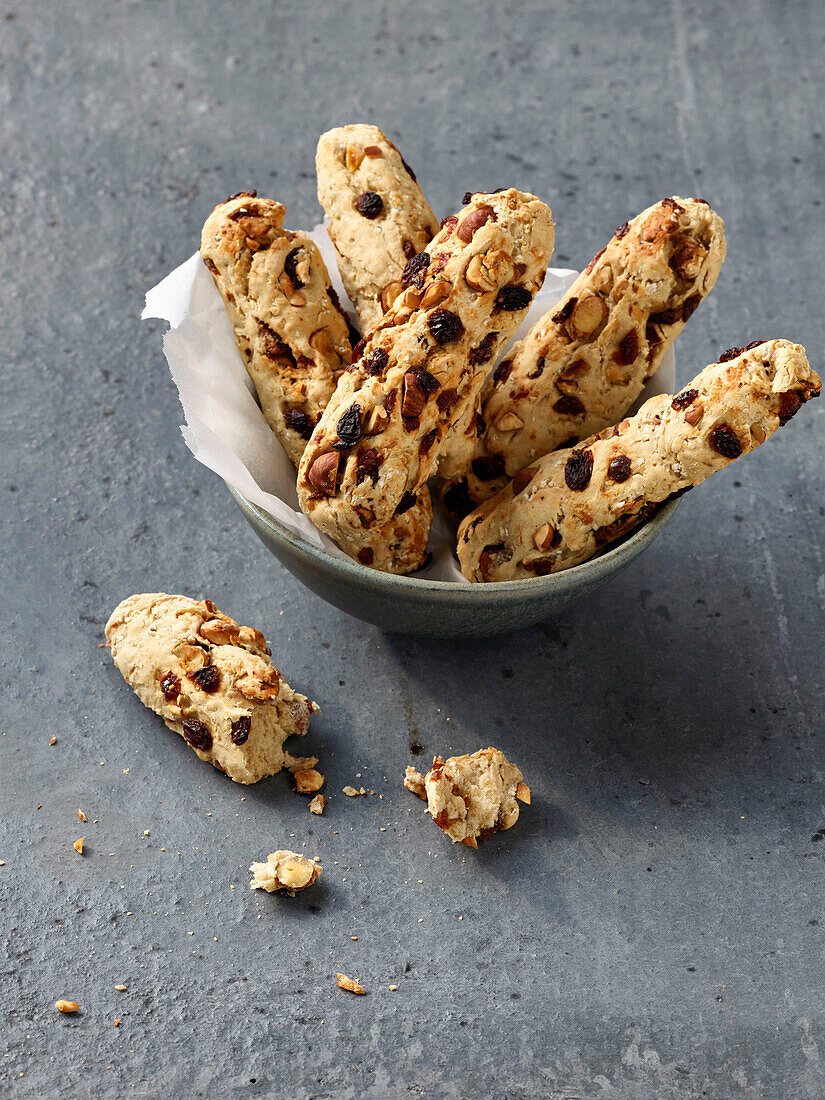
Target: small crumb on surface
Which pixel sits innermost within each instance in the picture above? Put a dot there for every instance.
(53, 741)
(343, 982)
(81, 816)
(67, 1006)
(78, 845)
(317, 804)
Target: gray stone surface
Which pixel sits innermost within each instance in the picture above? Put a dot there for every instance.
(654, 925)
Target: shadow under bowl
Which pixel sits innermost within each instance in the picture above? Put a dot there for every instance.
(444, 609)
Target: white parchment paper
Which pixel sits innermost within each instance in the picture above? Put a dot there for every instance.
(225, 428)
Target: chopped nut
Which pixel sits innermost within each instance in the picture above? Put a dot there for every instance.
(509, 422)
(322, 343)
(317, 805)
(588, 315)
(376, 421)
(469, 226)
(414, 781)
(695, 414)
(545, 536)
(117, 1023)
(355, 156)
(412, 297)
(488, 271)
(389, 294)
(308, 781)
(78, 845)
(81, 816)
(343, 982)
(220, 631)
(523, 793)
(67, 1006)
(323, 473)
(436, 292)
(261, 686)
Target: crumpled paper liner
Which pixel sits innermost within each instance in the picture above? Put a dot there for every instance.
(225, 428)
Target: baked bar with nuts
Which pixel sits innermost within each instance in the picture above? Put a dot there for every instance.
(381, 434)
(379, 219)
(561, 510)
(211, 681)
(471, 796)
(585, 362)
(289, 326)
(286, 872)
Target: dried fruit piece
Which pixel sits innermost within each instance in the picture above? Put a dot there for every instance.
(240, 729)
(197, 734)
(483, 352)
(683, 399)
(724, 440)
(170, 686)
(349, 984)
(366, 555)
(578, 470)
(445, 326)
(290, 267)
(370, 204)
(622, 231)
(513, 298)
(298, 421)
(323, 473)
(415, 271)
(376, 362)
(349, 427)
(208, 679)
(569, 405)
(406, 502)
(502, 371)
(789, 404)
(618, 468)
(488, 467)
(628, 349)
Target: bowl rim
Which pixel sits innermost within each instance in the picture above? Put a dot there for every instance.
(410, 584)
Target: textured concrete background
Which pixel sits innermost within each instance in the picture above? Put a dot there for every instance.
(653, 927)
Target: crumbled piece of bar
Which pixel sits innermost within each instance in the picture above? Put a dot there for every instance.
(284, 871)
(414, 781)
(317, 804)
(343, 982)
(472, 796)
(308, 781)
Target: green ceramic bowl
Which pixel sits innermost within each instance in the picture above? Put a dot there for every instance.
(408, 605)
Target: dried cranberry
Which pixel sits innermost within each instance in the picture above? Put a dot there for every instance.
(445, 326)
(376, 362)
(427, 441)
(446, 399)
(561, 315)
(274, 346)
(369, 204)
(211, 265)
(405, 503)
(390, 400)
(790, 403)
(483, 352)
(682, 400)
(513, 298)
(197, 734)
(502, 371)
(733, 353)
(415, 271)
(243, 212)
(488, 467)
(408, 248)
(366, 555)
(568, 405)
(724, 440)
(349, 428)
(208, 679)
(619, 468)
(690, 305)
(358, 350)
(240, 730)
(289, 268)
(628, 349)
(673, 205)
(298, 421)
(457, 500)
(595, 260)
(575, 370)
(170, 686)
(537, 373)
(367, 464)
(242, 195)
(666, 317)
(578, 470)
(622, 231)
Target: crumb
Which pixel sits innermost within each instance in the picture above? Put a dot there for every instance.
(81, 816)
(351, 792)
(285, 871)
(317, 804)
(78, 845)
(120, 988)
(414, 781)
(343, 982)
(393, 988)
(67, 1006)
(117, 1023)
(53, 741)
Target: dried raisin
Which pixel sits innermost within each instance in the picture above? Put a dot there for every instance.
(289, 268)
(415, 271)
(405, 503)
(568, 405)
(619, 468)
(208, 679)
(376, 362)
(445, 326)
(170, 686)
(502, 371)
(513, 298)
(488, 467)
(578, 470)
(369, 205)
(483, 352)
(349, 428)
(683, 399)
(240, 730)
(724, 440)
(197, 734)
(296, 420)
